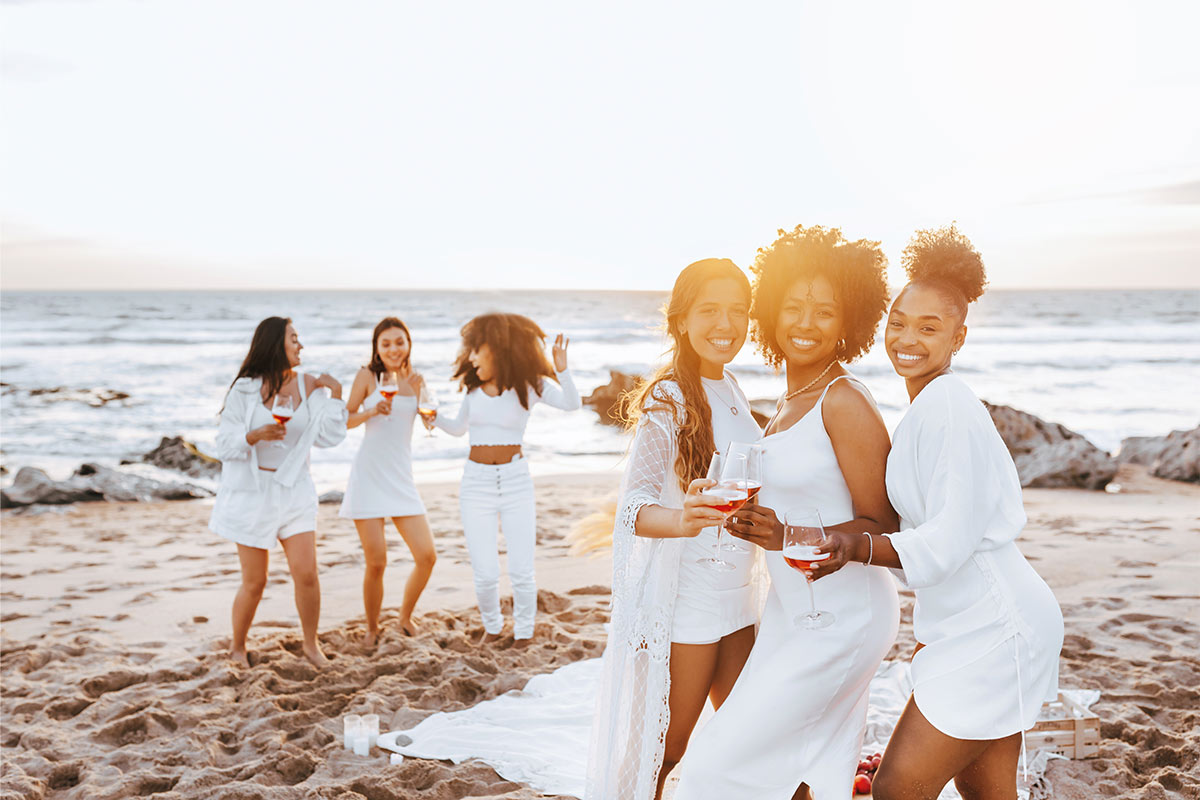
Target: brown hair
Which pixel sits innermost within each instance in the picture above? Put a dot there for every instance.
(857, 270)
(692, 418)
(376, 363)
(518, 353)
(946, 260)
(267, 359)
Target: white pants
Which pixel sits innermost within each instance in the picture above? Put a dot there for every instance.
(495, 497)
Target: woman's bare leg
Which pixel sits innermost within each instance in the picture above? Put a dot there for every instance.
(732, 652)
(920, 760)
(692, 669)
(419, 538)
(245, 602)
(374, 545)
(301, 552)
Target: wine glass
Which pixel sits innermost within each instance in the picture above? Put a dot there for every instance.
(282, 410)
(389, 384)
(427, 406)
(803, 533)
(753, 482)
(727, 496)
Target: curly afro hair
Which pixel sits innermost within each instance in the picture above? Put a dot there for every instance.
(946, 260)
(857, 270)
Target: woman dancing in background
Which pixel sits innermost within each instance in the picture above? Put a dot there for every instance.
(988, 628)
(681, 631)
(266, 491)
(503, 367)
(798, 712)
(381, 481)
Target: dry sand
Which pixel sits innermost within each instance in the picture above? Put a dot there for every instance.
(115, 619)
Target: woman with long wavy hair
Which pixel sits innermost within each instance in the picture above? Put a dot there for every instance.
(502, 365)
(266, 492)
(381, 485)
(680, 630)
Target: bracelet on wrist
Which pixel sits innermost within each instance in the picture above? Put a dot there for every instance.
(870, 548)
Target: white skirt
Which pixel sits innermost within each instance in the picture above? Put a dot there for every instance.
(259, 517)
(712, 603)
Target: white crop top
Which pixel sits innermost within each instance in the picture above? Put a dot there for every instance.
(501, 420)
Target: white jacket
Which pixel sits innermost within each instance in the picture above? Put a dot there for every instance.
(239, 461)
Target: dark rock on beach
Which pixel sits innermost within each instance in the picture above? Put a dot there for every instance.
(1049, 455)
(330, 497)
(606, 400)
(175, 452)
(93, 397)
(91, 483)
(1175, 456)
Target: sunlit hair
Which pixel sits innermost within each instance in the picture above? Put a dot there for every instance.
(945, 260)
(267, 358)
(857, 271)
(692, 418)
(518, 354)
(386, 324)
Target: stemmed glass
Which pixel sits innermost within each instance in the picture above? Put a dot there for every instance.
(727, 496)
(390, 384)
(753, 482)
(282, 410)
(803, 533)
(427, 406)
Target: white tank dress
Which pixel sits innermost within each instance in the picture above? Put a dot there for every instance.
(798, 711)
(381, 478)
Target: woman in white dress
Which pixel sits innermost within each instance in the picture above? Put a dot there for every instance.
(266, 492)
(793, 725)
(503, 367)
(988, 628)
(680, 630)
(381, 483)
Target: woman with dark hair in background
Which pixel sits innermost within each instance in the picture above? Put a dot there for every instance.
(381, 483)
(680, 630)
(988, 628)
(798, 712)
(502, 365)
(273, 415)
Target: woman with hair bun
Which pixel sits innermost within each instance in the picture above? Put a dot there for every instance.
(988, 628)
(381, 483)
(502, 365)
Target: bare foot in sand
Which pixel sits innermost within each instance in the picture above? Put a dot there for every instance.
(240, 657)
(316, 657)
(408, 628)
(489, 638)
(370, 638)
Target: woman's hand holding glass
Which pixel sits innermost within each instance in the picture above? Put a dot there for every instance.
(697, 514)
(758, 525)
(842, 548)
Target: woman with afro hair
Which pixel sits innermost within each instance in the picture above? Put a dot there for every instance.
(793, 724)
(988, 628)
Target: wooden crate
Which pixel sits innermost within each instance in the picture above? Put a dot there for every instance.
(1075, 735)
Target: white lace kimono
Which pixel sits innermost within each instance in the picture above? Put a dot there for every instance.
(632, 713)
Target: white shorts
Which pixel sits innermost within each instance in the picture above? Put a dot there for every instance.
(258, 517)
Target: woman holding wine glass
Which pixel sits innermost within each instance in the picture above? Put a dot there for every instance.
(384, 398)
(793, 724)
(988, 628)
(683, 609)
(272, 416)
(503, 367)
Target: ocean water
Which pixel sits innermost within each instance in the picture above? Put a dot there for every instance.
(1108, 364)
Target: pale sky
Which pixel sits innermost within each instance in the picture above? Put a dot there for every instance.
(511, 144)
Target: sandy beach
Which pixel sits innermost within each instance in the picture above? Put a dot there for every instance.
(115, 622)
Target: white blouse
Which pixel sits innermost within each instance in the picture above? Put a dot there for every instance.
(501, 420)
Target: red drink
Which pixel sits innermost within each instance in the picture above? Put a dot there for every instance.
(427, 415)
(728, 498)
(281, 418)
(388, 392)
(752, 488)
(802, 557)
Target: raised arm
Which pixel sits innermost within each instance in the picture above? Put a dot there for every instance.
(359, 391)
(563, 394)
(460, 423)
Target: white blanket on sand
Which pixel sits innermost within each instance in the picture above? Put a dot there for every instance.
(538, 735)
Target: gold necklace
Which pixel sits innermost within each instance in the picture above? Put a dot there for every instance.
(810, 384)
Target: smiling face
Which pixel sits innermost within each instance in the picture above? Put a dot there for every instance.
(810, 323)
(292, 346)
(481, 360)
(393, 347)
(923, 332)
(716, 324)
